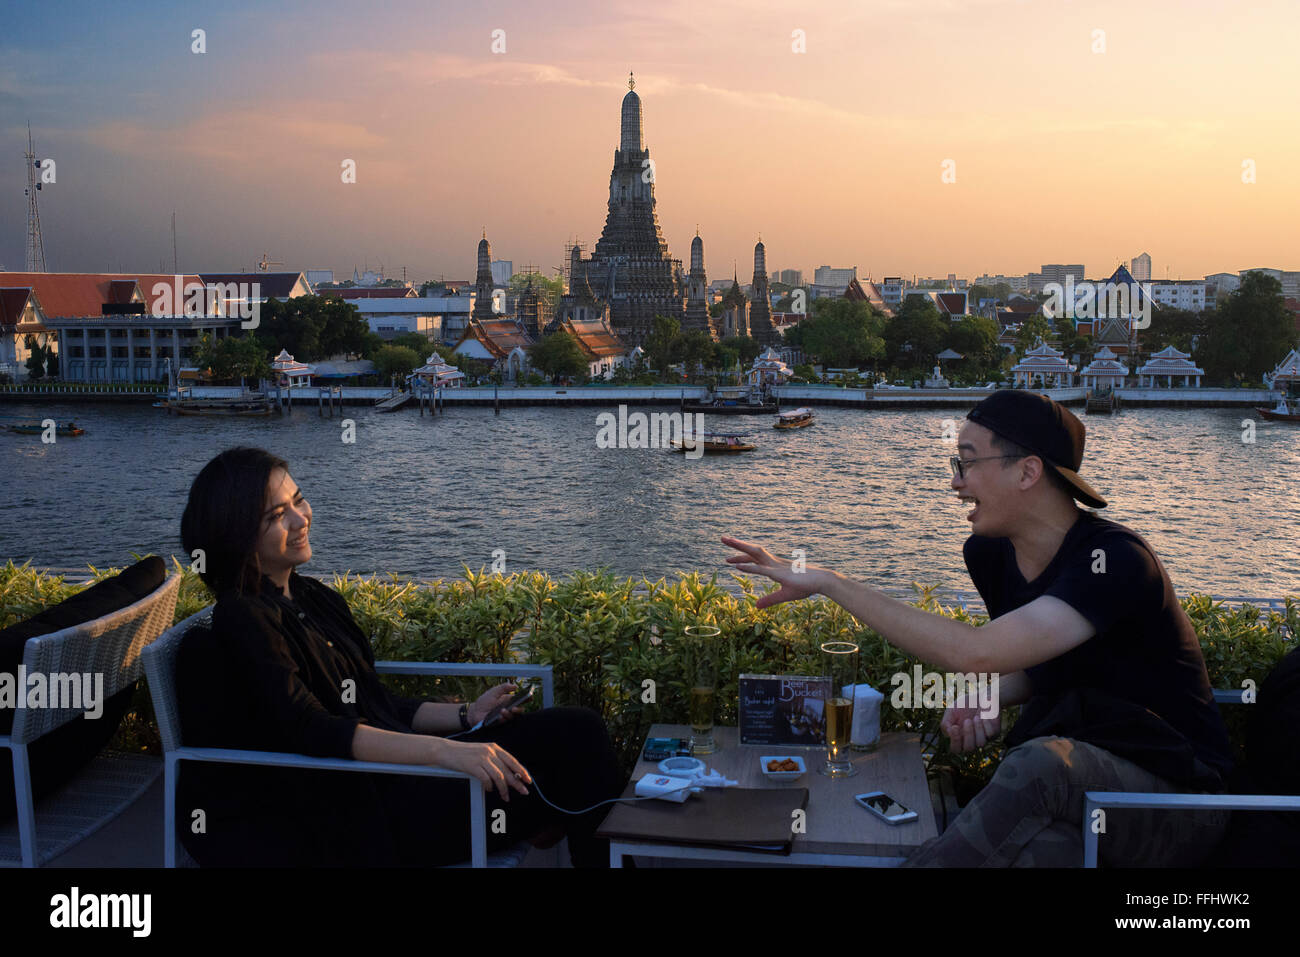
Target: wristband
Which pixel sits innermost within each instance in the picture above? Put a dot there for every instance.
(464, 717)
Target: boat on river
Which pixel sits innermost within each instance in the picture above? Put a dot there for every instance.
(716, 443)
(1286, 410)
(35, 428)
(246, 404)
(794, 419)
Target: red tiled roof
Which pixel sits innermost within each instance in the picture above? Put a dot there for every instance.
(499, 336)
(595, 338)
(953, 303)
(82, 294)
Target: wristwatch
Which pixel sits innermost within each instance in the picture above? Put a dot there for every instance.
(464, 717)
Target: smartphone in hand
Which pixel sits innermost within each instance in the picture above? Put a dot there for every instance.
(519, 697)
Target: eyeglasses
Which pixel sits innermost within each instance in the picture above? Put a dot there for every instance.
(959, 466)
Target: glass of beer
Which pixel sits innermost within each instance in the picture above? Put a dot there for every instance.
(702, 672)
(840, 666)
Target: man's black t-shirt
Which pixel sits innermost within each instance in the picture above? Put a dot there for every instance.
(1145, 649)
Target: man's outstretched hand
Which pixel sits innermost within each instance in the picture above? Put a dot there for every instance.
(756, 560)
(967, 730)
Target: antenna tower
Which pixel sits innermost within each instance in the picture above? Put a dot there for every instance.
(35, 245)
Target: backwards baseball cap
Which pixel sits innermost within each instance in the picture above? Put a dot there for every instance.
(1044, 427)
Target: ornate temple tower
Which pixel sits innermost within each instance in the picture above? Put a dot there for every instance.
(483, 282)
(735, 319)
(529, 310)
(631, 268)
(760, 310)
(697, 294)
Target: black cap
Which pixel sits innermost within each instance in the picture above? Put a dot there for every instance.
(1044, 427)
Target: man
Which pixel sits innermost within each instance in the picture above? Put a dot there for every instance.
(1085, 630)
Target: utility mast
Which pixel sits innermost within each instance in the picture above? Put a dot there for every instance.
(35, 246)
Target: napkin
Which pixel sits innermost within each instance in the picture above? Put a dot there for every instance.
(866, 714)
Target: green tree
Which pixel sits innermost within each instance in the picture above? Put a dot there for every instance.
(559, 355)
(313, 328)
(36, 360)
(233, 357)
(842, 333)
(917, 333)
(396, 360)
(1180, 328)
(976, 338)
(1249, 333)
(1032, 330)
(697, 349)
(663, 342)
(746, 347)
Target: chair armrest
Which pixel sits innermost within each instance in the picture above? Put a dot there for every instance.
(282, 759)
(1093, 800)
(544, 672)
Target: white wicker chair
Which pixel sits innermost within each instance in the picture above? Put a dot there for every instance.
(110, 646)
(160, 667)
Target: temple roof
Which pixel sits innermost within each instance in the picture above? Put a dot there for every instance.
(77, 295)
(595, 338)
(499, 336)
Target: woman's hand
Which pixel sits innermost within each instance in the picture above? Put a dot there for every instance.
(795, 584)
(489, 699)
(490, 763)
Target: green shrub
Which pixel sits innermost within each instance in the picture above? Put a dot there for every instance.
(608, 638)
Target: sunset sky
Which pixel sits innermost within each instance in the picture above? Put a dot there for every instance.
(835, 155)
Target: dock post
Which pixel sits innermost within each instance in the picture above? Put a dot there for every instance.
(496, 399)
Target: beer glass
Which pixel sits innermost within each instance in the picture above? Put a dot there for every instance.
(840, 666)
(702, 673)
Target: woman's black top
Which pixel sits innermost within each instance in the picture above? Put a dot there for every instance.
(280, 674)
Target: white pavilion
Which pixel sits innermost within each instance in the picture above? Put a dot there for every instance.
(1043, 362)
(768, 369)
(438, 374)
(289, 372)
(1105, 371)
(1170, 363)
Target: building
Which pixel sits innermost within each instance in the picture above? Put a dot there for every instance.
(500, 341)
(288, 373)
(605, 352)
(760, 308)
(20, 317)
(1224, 282)
(319, 277)
(502, 270)
(1045, 367)
(406, 291)
(836, 276)
(891, 290)
(1290, 279)
(697, 317)
(1017, 283)
(1193, 295)
(1054, 273)
(790, 277)
(1169, 363)
(261, 285)
(631, 268)
(1104, 371)
(110, 327)
(735, 313)
(1141, 267)
(1286, 374)
(865, 290)
(768, 369)
(437, 374)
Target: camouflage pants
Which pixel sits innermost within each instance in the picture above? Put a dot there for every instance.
(1031, 815)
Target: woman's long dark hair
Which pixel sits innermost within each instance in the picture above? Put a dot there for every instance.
(223, 517)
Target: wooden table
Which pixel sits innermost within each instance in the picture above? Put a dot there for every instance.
(839, 831)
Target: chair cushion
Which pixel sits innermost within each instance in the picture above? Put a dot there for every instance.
(61, 753)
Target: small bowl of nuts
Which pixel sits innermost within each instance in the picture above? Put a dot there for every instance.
(782, 767)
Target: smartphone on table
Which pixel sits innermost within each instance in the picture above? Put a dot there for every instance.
(885, 807)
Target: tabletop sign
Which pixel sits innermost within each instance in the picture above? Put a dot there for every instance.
(788, 710)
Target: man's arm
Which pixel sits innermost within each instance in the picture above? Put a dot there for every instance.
(1034, 633)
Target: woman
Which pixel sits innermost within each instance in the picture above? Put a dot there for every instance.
(286, 668)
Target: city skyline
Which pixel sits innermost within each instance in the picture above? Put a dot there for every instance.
(830, 162)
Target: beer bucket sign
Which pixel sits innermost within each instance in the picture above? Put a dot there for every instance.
(788, 710)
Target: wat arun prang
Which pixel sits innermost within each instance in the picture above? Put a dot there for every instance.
(631, 269)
